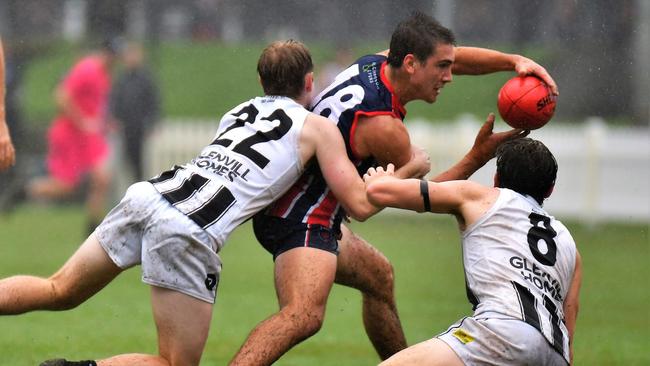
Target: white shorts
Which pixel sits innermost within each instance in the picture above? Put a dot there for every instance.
(499, 341)
(175, 253)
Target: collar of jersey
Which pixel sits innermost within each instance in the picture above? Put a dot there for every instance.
(398, 108)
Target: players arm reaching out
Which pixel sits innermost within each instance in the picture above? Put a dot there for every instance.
(484, 148)
(466, 200)
(476, 61)
(386, 138)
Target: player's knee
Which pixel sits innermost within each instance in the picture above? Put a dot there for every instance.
(307, 320)
(383, 278)
(312, 323)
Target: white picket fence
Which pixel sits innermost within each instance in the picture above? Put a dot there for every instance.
(604, 171)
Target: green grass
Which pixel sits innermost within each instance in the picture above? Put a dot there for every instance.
(613, 325)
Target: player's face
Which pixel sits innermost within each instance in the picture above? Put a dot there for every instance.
(430, 77)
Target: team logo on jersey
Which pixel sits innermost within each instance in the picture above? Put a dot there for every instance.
(211, 281)
(371, 72)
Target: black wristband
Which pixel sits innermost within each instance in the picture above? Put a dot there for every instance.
(424, 191)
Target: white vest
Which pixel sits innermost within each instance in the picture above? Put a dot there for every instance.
(519, 262)
(252, 160)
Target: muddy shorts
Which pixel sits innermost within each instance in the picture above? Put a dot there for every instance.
(174, 252)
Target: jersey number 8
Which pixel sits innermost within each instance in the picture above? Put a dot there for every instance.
(538, 235)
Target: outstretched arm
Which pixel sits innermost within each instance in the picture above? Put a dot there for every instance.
(476, 61)
(484, 148)
(7, 151)
(466, 200)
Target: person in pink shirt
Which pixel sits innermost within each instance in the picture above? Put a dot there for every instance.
(77, 141)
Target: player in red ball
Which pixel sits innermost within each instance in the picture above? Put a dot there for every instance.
(522, 269)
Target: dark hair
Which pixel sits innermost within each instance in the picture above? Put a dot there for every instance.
(526, 166)
(418, 35)
(282, 68)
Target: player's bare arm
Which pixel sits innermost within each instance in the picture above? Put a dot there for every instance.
(466, 200)
(322, 139)
(572, 303)
(477, 61)
(7, 152)
(484, 148)
(386, 139)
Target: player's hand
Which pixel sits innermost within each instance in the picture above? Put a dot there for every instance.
(421, 160)
(487, 142)
(525, 66)
(379, 172)
(7, 151)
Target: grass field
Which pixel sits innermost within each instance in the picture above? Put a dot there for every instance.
(613, 325)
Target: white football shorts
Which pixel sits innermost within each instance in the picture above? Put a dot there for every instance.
(500, 341)
(174, 252)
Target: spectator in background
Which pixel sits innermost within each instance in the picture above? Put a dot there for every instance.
(78, 147)
(7, 152)
(135, 104)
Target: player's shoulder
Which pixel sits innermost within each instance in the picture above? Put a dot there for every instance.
(318, 122)
(382, 123)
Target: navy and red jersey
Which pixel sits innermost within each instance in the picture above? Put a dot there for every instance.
(360, 90)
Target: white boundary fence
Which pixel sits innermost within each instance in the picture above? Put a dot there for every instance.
(604, 171)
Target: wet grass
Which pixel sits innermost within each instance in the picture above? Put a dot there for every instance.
(613, 325)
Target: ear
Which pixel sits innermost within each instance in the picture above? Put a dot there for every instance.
(309, 82)
(550, 190)
(409, 63)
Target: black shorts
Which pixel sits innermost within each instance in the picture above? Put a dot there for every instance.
(277, 235)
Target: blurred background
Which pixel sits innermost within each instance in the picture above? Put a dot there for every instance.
(203, 54)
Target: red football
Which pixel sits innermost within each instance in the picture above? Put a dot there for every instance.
(526, 102)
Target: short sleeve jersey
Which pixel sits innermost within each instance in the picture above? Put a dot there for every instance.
(519, 262)
(253, 159)
(360, 90)
(89, 85)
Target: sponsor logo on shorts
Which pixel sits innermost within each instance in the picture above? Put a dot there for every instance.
(463, 336)
(211, 281)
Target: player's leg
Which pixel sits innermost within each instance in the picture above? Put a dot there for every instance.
(432, 352)
(84, 274)
(182, 322)
(303, 279)
(363, 267)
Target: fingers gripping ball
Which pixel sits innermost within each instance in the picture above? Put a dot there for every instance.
(526, 102)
